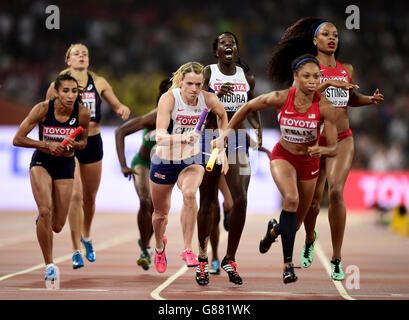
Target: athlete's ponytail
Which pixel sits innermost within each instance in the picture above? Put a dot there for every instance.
(296, 41)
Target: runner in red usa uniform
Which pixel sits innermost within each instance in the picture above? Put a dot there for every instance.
(295, 159)
(320, 38)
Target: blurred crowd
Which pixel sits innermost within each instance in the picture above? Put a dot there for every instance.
(135, 45)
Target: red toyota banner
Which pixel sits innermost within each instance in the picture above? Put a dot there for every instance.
(365, 189)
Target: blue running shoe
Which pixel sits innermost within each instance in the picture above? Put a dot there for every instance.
(88, 249)
(77, 261)
(50, 274)
(215, 267)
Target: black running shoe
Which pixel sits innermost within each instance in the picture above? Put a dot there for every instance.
(268, 239)
(289, 275)
(226, 220)
(230, 266)
(202, 272)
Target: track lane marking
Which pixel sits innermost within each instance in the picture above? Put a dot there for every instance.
(324, 260)
(104, 245)
(155, 294)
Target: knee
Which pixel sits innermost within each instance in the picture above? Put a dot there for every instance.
(290, 202)
(89, 199)
(58, 226)
(336, 193)
(146, 205)
(240, 201)
(159, 217)
(44, 214)
(315, 206)
(76, 197)
(189, 197)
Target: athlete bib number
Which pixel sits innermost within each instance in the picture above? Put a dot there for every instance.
(88, 99)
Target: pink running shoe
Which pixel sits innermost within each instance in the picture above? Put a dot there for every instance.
(160, 258)
(189, 257)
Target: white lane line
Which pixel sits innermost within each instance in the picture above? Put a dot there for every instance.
(338, 284)
(65, 290)
(156, 293)
(104, 245)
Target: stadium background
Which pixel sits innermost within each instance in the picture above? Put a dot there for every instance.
(135, 45)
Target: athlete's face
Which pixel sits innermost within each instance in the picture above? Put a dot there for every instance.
(226, 48)
(326, 39)
(78, 58)
(190, 86)
(68, 92)
(307, 77)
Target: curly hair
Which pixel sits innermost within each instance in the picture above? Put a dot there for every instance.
(296, 41)
(241, 64)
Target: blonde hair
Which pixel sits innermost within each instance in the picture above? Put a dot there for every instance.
(180, 73)
(67, 54)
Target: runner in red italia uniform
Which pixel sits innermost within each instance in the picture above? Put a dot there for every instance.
(295, 159)
(320, 38)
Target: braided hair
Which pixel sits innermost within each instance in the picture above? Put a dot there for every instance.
(296, 41)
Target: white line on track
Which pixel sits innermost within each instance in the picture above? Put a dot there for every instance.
(104, 245)
(65, 290)
(156, 293)
(338, 284)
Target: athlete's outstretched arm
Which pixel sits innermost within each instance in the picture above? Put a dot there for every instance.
(108, 94)
(357, 99)
(254, 118)
(274, 99)
(147, 121)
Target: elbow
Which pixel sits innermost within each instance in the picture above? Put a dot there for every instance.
(16, 142)
(81, 146)
(334, 150)
(119, 134)
(160, 139)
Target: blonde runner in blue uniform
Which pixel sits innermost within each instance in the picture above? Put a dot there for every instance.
(139, 170)
(177, 159)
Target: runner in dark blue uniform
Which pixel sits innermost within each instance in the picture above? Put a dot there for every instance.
(52, 165)
(88, 177)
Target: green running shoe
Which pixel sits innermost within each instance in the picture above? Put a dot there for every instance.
(144, 259)
(307, 254)
(336, 270)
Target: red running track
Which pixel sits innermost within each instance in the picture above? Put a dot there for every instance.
(376, 263)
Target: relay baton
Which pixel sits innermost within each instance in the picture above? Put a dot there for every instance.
(212, 159)
(201, 120)
(73, 135)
